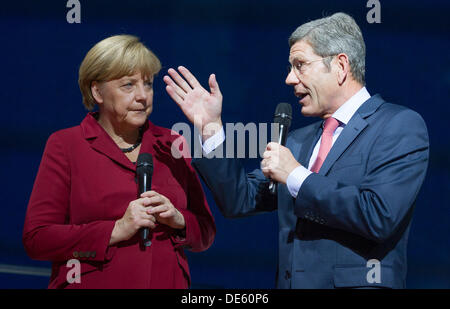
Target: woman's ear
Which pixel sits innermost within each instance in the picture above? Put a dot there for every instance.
(96, 92)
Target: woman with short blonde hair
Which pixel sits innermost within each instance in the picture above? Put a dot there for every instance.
(112, 58)
(85, 202)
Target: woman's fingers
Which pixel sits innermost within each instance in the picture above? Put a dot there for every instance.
(153, 198)
(146, 215)
(160, 210)
(149, 193)
(153, 201)
(148, 223)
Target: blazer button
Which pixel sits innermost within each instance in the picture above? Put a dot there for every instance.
(75, 254)
(287, 275)
(93, 254)
(81, 254)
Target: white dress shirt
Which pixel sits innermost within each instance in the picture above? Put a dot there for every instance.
(299, 174)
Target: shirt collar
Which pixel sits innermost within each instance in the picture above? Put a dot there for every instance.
(349, 108)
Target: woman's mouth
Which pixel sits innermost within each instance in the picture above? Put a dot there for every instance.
(139, 111)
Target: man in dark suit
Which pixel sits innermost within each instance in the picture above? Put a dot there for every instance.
(347, 184)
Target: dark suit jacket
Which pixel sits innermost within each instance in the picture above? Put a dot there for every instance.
(357, 208)
(84, 184)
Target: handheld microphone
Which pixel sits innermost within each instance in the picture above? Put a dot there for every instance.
(283, 116)
(144, 171)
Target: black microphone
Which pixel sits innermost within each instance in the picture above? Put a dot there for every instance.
(144, 171)
(283, 116)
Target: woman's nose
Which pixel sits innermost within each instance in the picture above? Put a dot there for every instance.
(141, 93)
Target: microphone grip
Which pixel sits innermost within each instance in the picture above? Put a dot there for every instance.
(273, 187)
(282, 141)
(145, 184)
(145, 232)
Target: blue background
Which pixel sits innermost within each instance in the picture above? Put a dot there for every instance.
(245, 44)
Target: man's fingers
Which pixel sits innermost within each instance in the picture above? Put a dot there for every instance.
(272, 146)
(189, 77)
(266, 171)
(172, 93)
(213, 85)
(173, 89)
(179, 80)
(267, 154)
(269, 162)
(264, 165)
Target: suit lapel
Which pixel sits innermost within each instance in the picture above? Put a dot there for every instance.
(301, 147)
(351, 131)
(355, 126)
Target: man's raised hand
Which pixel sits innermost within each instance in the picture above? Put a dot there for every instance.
(201, 107)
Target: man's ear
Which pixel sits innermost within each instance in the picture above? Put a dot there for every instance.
(343, 67)
(96, 92)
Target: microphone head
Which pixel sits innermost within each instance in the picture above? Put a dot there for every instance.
(144, 163)
(283, 114)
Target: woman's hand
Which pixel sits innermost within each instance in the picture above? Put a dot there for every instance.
(136, 216)
(201, 107)
(163, 210)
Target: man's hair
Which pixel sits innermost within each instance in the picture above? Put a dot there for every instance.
(333, 35)
(113, 58)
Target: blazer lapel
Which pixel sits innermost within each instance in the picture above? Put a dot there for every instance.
(102, 142)
(351, 131)
(302, 148)
(348, 135)
(106, 146)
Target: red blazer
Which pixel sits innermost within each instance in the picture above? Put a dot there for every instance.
(85, 183)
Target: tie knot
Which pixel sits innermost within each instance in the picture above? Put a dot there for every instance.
(330, 125)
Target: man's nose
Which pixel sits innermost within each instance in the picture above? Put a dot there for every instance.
(292, 78)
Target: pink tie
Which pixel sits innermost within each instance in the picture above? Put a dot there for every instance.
(325, 144)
